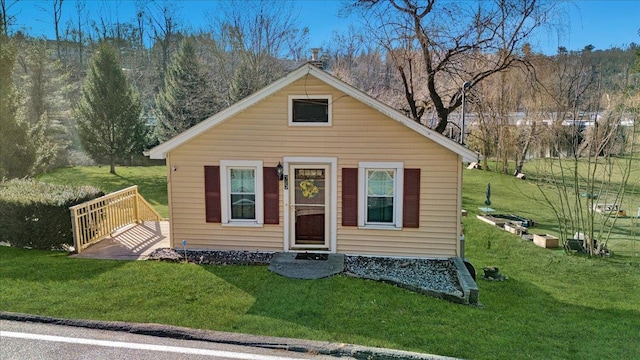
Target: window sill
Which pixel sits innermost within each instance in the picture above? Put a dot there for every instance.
(242, 224)
(379, 227)
(310, 124)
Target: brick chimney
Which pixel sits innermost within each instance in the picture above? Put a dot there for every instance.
(315, 58)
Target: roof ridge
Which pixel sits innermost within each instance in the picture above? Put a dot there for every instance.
(160, 151)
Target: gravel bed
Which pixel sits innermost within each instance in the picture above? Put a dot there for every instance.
(214, 257)
(429, 276)
(424, 275)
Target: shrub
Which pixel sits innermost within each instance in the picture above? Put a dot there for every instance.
(36, 215)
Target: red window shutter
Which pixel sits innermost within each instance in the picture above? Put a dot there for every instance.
(411, 198)
(349, 197)
(212, 194)
(271, 195)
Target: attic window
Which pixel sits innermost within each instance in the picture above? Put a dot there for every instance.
(310, 110)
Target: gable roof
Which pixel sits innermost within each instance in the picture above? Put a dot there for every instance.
(160, 151)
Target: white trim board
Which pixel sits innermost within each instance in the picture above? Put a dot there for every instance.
(398, 194)
(333, 166)
(225, 187)
(161, 151)
(329, 99)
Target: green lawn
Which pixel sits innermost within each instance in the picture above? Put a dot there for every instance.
(553, 306)
(151, 181)
(511, 195)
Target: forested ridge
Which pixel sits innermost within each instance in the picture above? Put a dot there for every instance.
(518, 100)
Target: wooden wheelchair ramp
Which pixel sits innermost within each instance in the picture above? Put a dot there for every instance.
(135, 242)
(120, 225)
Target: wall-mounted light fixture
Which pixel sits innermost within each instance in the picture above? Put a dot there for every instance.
(279, 170)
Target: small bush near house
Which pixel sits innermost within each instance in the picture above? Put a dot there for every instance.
(36, 215)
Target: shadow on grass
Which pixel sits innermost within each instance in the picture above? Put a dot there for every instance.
(622, 227)
(46, 266)
(518, 319)
(552, 327)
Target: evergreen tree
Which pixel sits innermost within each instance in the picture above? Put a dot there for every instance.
(186, 98)
(108, 114)
(45, 105)
(16, 156)
(244, 83)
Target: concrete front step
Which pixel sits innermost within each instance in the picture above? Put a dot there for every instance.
(287, 265)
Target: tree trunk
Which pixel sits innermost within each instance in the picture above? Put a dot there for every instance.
(485, 147)
(443, 120)
(112, 168)
(57, 16)
(525, 148)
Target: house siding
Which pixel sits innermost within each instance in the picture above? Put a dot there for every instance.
(359, 133)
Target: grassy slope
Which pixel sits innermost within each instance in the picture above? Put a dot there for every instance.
(151, 181)
(552, 305)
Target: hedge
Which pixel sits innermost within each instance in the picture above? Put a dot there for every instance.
(36, 215)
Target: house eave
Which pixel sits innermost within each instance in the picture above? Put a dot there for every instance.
(160, 151)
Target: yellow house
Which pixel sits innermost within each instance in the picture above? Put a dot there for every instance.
(310, 163)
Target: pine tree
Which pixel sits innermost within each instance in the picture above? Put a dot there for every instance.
(108, 114)
(243, 84)
(45, 108)
(186, 98)
(16, 156)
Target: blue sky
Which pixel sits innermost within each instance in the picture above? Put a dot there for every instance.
(602, 23)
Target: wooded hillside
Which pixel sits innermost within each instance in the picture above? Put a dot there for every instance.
(526, 104)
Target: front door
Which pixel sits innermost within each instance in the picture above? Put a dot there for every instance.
(310, 210)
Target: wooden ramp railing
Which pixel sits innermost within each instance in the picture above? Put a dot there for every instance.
(98, 218)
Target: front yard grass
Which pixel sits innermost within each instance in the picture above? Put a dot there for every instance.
(553, 306)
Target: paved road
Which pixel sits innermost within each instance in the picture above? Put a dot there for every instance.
(24, 340)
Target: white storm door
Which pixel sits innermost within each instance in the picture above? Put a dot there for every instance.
(310, 210)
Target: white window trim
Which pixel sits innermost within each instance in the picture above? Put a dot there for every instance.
(398, 193)
(225, 166)
(329, 109)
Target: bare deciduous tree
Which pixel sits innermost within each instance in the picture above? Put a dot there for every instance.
(364, 65)
(257, 42)
(75, 31)
(57, 16)
(5, 18)
(590, 183)
(164, 21)
(497, 102)
(56, 11)
(458, 42)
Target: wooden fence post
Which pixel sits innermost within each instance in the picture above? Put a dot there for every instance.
(74, 229)
(136, 211)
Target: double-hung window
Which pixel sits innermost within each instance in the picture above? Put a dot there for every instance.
(242, 193)
(380, 194)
